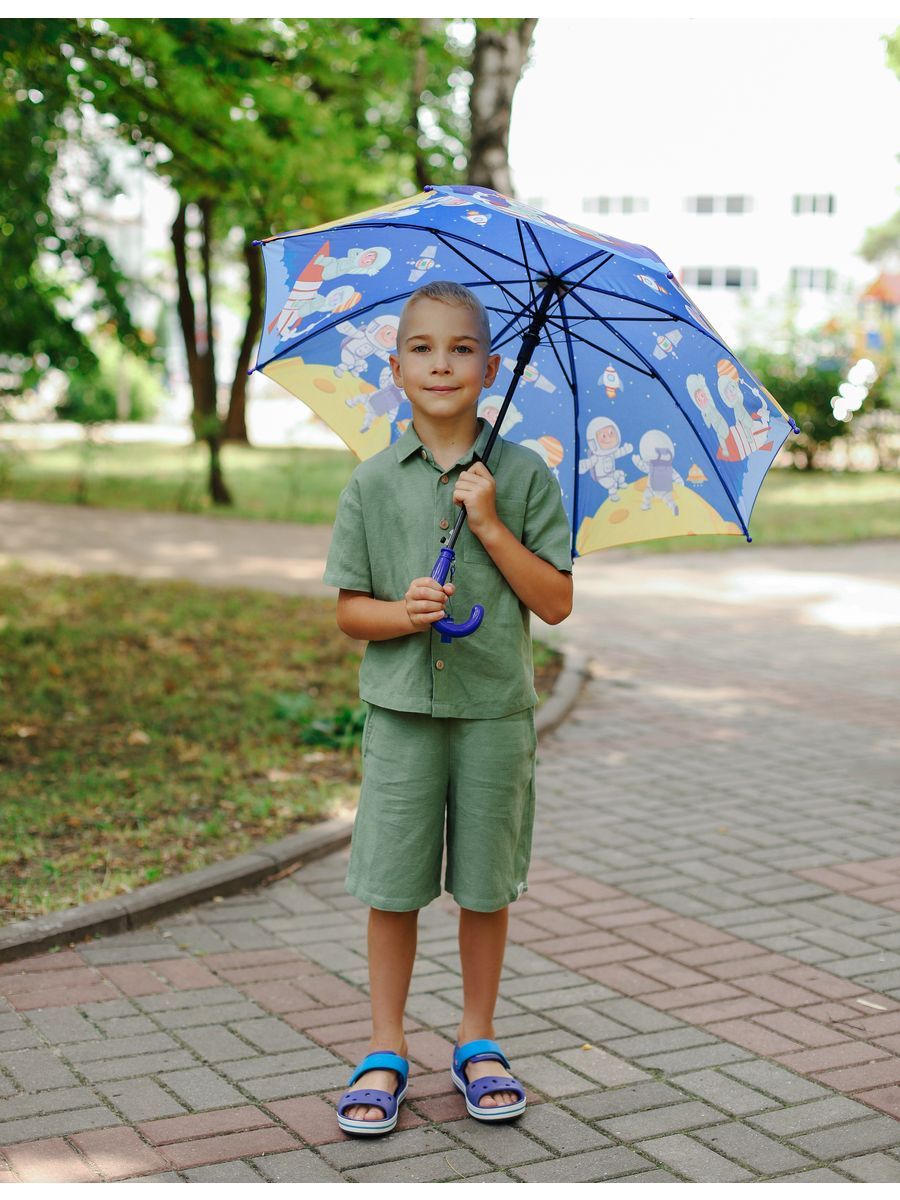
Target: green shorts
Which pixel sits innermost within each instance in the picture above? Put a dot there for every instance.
(420, 771)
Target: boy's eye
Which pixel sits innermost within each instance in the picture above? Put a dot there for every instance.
(464, 349)
(416, 349)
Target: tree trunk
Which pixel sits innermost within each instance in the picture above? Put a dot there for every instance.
(200, 354)
(497, 66)
(236, 422)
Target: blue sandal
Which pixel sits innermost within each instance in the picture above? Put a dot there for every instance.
(386, 1060)
(485, 1050)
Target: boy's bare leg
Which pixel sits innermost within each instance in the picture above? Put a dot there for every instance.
(392, 952)
(482, 942)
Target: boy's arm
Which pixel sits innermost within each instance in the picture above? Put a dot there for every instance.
(361, 616)
(541, 586)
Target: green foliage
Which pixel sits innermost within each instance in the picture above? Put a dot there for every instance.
(122, 388)
(805, 375)
(339, 730)
(282, 122)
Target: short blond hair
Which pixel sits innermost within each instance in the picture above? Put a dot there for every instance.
(450, 293)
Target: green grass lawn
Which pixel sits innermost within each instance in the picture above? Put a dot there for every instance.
(303, 485)
(147, 729)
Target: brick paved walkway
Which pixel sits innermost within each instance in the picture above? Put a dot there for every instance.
(703, 981)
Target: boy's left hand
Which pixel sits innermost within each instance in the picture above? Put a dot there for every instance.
(477, 490)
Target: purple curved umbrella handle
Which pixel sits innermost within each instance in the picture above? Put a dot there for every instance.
(445, 627)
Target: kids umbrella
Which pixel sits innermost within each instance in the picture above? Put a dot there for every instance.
(648, 421)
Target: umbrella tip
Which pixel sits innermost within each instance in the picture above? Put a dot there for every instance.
(256, 242)
(429, 187)
(748, 537)
(252, 369)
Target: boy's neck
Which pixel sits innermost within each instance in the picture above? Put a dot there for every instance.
(448, 442)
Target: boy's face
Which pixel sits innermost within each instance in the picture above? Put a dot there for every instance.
(441, 362)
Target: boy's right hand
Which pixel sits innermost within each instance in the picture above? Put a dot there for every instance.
(425, 599)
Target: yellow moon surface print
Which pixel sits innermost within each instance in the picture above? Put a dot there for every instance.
(618, 522)
(330, 396)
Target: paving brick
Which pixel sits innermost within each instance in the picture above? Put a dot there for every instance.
(63, 1025)
(60, 1100)
(296, 1166)
(623, 979)
(801, 1029)
(598, 1065)
(672, 1118)
(588, 1024)
(500, 1145)
(693, 1160)
(427, 1168)
(226, 1172)
(842, 1141)
(753, 1037)
(141, 1064)
(200, 1125)
(636, 1098)
(185, 973)
(723, 1010)
(200, 1088)
(724, 1093)
(666, 1039)
(871, 1168)
(636, 1015)
(310, 1117)
(776, 1081)
(763, 1155)
(215, 1044)
(594, 1166)
(118, 1153)
(827, 1058)
(359, 1152)
(110, 1048)
(50, 1160)
(814, 1114)
(252, 1143)
(299, 1083)
(57, 1123)
(140, 1099)
(560, 1130)
(186, 1018)
(263, 1065)
(271, 1035)
(118, 1027)
(202, 998)
(864, 1077)
(673, 1062)
(134, 979)
(37, 1070)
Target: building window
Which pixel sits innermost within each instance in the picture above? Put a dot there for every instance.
(719, 204)
(723, 277)
(615, 204)
(813, 279)
(813, 203)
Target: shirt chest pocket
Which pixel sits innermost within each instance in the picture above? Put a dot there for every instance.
(511, 513)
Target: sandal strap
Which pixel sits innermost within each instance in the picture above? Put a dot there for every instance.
(382, 1060)
(481, 1050)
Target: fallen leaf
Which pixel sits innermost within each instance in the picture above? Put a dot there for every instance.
(137, 737)
(26, 731)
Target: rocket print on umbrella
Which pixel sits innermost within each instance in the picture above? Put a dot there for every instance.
(306, 297)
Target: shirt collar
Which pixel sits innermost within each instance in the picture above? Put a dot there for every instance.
(409, 443)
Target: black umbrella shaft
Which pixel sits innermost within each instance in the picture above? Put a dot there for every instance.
(530, 342)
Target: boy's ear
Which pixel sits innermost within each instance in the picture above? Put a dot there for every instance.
(493, 366)
(395, 369)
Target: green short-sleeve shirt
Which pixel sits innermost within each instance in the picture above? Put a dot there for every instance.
(391, 517)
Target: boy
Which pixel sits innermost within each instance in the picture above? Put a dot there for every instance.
(450, 728)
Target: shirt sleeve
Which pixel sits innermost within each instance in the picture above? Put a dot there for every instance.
(348, 563)
(547, 533)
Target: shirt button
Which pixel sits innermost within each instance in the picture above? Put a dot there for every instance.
(440, 664)
(424, 453)
(444, 523)
(445, 479)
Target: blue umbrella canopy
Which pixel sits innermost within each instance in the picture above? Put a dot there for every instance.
(649, 422)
